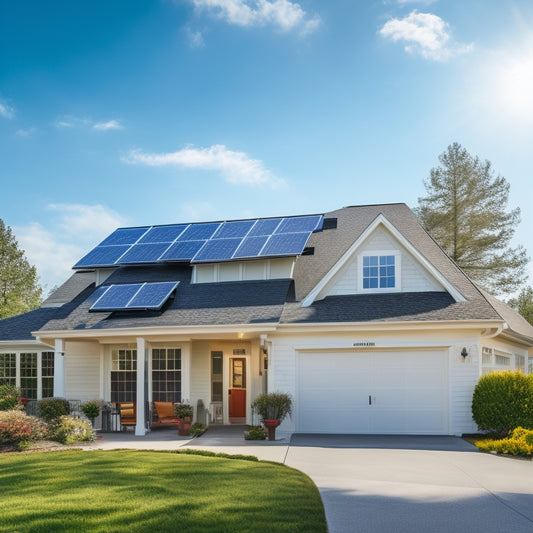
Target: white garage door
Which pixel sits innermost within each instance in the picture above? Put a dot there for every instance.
(382, 392)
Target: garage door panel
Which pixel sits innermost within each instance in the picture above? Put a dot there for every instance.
(408, 391)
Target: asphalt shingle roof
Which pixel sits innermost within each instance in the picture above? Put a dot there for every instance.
(279, 300)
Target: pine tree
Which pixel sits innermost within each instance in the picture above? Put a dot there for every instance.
(523, 303)
(465, 211)
(19, 287)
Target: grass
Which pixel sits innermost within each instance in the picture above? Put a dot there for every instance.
(137, 491)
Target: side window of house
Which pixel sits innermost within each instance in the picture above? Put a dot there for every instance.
(8, 369)
(123, 375)
(379, 272)
(166, 374)
(47, 374)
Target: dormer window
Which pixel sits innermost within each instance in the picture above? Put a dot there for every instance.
(380, 272)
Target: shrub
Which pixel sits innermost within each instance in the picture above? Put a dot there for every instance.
(198, 429)
(273, 406)
(19, 429)
(519, 442)
(9, 397)
(183, 410)
(51, 409)
(69, 430)
(91, 409)
(502, 401)
(255, 433)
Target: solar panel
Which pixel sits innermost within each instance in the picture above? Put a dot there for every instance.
(152, 295)
(202, 242)
(144, 253)
(102, 256)
(285, 244)
(116, 297)
(300, 224)
(250, 247)
(266, 226)
(182, 251)
(217, 250)
(238, 228)
(196, 232)
(124, 236)
(164, 233)
(133, 296)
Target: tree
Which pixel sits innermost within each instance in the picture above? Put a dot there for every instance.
(19, 287)
(466, 213)
(523, 303)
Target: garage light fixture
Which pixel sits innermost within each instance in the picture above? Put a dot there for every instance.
(464, 353)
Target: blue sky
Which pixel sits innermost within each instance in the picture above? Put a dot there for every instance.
(160, 111)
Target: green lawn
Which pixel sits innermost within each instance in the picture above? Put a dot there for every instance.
(153, 492)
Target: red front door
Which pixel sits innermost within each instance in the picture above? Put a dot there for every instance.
(237, 391)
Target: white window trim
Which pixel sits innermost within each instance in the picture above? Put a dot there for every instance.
(397, 271)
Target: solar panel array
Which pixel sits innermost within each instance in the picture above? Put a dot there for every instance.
(133, 296)
(204, 242)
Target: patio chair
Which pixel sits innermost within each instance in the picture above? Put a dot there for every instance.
(165, 413)
(128, 414)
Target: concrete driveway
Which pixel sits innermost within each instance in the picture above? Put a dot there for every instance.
(390, 484)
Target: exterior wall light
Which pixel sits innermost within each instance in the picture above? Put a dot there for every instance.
(464, 353)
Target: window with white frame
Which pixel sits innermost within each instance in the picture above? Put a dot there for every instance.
(123, 375)
(380, 271)
(33, 372)
(8, 368)
(166, 375)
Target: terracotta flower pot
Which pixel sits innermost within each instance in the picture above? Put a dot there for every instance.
(184, 426)
(271, 426)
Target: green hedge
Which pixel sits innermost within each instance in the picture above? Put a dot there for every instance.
(503, 401)
(51, 409)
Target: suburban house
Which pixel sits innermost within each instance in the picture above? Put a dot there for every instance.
(358, 314)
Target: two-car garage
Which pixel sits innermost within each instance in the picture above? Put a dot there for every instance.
(396, 391)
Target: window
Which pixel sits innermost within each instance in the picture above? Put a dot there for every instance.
(520, 362)
(486, 354)
(47, 374)
(8, 369)
(379, 272)
(28, 375)
(166, 375)
(124, 375)
(216, 376)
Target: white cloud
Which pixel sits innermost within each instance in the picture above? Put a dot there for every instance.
(236, 167)
(109, 125)
(70, 121)
(195, 38)
(28, 132)
(424, 33)
(70, 232)
(6, 110)
(284, 14)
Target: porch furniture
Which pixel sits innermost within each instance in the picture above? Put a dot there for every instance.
(128, 414)
(165, 413)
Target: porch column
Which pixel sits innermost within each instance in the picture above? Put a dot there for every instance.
(140, 428)
(59, 369)
(186, 373)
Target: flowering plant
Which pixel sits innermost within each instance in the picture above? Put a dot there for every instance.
(19, 429)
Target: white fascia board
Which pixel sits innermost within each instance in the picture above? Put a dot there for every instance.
(381, 219)
(32, 342)
(317, 327)
(152, 331)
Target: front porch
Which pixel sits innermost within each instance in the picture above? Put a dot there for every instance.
(218, 377)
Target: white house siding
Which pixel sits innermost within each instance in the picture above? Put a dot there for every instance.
(504, 346)
(200, 373)
(82, 371)
(462, 374)
(413, 278)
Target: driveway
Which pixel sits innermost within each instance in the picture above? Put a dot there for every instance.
(390, 484)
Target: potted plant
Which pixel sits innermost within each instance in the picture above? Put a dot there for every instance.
(273, 408)
(91, 410)
(183, 412)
